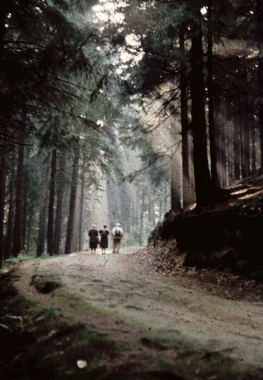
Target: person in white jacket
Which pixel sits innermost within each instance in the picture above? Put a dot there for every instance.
(117, 234)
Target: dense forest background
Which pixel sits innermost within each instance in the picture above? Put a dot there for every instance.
(120, 111)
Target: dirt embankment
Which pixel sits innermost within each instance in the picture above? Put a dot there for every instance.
(157, 315)
(226, 234)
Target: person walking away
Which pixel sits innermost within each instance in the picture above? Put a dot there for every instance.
(93, 241)
(117, 233)
(104, 239)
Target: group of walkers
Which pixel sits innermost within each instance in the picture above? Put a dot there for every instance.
(102, 240)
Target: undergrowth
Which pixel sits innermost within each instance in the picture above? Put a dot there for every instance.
(26, 256)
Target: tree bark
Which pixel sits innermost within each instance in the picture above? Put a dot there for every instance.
(25, 208)
(17, 246)
(246, 147)
(150, 205)
(82, 190)
(59, 208)
(210, 86)
(253, 147)
(245, 125)
(43, 215)
(237, 142)
(242, 145)
(72, 207)
(165, 200)
(184, 130)
(203, 186)
(10, 226)
(50, 227)
(191, 168)
(142, 216)
(2, 198)
(223, 156)
(161, 209)
(3, 14)
(259, 15)
(175, 182)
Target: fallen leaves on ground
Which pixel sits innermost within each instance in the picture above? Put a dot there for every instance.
(166, 261)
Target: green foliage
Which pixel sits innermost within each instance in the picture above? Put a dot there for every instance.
(49, 311)
(132, 239)
(12, 322)
(5, 327)
(55, 136)
(147, 229)
(129, 240)
(22, 256)
(173, 244)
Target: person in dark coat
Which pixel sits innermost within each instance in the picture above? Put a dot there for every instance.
(93, 241)
(104, 239)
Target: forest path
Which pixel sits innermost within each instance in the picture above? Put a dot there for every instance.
(118, 295)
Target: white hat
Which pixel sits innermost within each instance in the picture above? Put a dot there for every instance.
(93, 225)
(118, 224)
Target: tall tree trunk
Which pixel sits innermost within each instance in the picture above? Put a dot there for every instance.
(42, 231)
(210, 86)
(223, 150)
(245, 128)
(2, 197)
(230, 144)
(237, 146)
(203, 186)
(259, 15)
(29, 228)
(17, 246)
(72, 207)
(153, 203)
(161, 209)
(165, 201)
(150, 205)
(132, 215)
(242, 145)
(129, 217)
(10, 226)
(3, 14)
(59, 208)
(175, 182)
(50, 227)
(25, 208)
(191, 168)
(136, 209)
(228, 154)
(82, 190)
(253, 147)
(142, 216)
(43, 215)
(246, 147)
(184, 129)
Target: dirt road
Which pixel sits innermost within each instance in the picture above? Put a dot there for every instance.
(119, 295)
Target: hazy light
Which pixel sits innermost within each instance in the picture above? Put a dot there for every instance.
(133, 40)
(108, 11)
(203, 10)
(100, 123)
